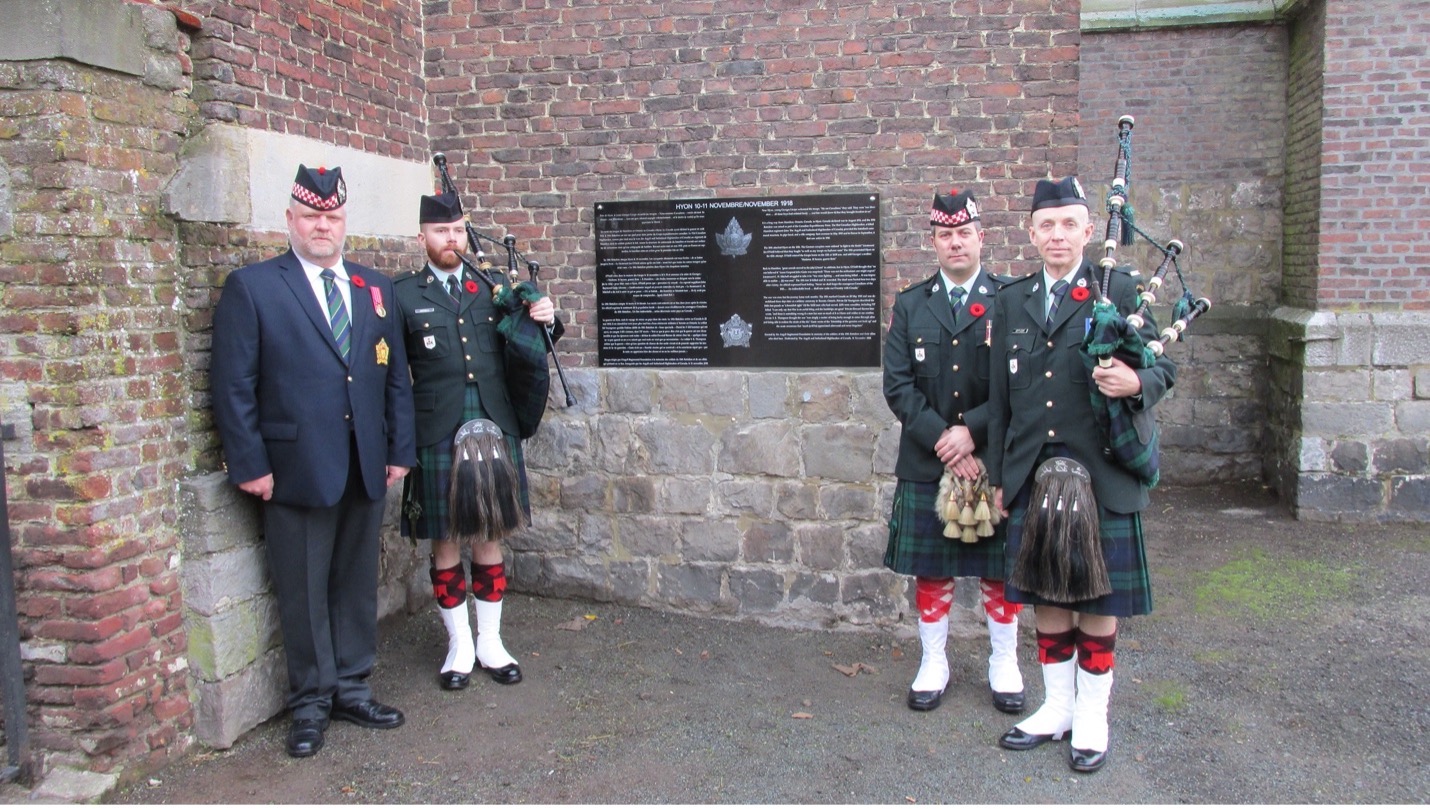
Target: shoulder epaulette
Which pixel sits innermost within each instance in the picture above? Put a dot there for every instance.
(406, 274)
(1002, 280)
(916, 284)
(1018, 279)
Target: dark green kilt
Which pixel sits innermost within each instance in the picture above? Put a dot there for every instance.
(917, 546)
(1122, 550)
(424, 495)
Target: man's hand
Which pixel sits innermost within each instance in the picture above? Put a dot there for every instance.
(259, 487)
(543, 311)
(1117, 381)
(955, 443)
(998, 500)
(394, 474)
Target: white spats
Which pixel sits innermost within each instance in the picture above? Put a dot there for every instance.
(461, 654)
(490, 651)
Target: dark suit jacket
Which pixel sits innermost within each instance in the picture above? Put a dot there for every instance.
(936, 370)
(450, 345)
(285, 401)
(1038, 388)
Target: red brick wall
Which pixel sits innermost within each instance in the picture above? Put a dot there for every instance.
(1302, 233)
(90, 358)
(342, 72)
(1375, 156)
(546, 109)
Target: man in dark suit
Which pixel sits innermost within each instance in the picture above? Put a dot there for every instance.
(1039, 408)
(936, 382)
(459, 373)
(313, 403)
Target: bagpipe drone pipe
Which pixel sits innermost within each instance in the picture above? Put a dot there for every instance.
(528, 342)
(1132, 437)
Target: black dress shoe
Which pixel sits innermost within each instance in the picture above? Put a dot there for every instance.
(305, 737)
(925, 700)
(1008, 701)
(369, 714)
(510, 674)
(454, 680)
(1017, 739)
(1087, 760)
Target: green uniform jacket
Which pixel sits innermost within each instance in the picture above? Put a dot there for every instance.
(936, 371)
(449, 346)
(1039, 387)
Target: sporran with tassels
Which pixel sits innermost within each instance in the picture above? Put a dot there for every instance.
(966, 506)
(1060, 558)
(484, 502)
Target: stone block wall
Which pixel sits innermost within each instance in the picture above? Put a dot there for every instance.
(1208, 157)
(91, 376)
(760, 496)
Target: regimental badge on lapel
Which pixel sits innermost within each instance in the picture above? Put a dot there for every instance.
(919, 354)
(429, 342)
(382, 351)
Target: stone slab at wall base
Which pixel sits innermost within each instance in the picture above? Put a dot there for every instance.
(1358, 387)
(238, 677)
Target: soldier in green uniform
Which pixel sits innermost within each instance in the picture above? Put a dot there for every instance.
(449, 322)
(936, 382)
(1039, 408)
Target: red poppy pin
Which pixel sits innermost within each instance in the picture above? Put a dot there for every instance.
(472, 286)
(977, 309)
(358, 282)
(1080, 294)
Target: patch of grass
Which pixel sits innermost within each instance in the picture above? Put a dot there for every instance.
(1262, 587)
(1211, 657)
(1168, 694)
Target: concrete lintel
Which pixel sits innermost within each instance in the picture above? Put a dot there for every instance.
(103, 33)
(1121, 15)
(236, 175)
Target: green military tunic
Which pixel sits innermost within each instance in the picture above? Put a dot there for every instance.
(1039, 407)
(936, 368)
(458, 367)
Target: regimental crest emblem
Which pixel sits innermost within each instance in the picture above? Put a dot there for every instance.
(736, 332)
(429, 342)
(734, 241)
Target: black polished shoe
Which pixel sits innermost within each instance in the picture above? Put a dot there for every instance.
(305, 737)
(369, 714)
(925, 700)
(453, 680)
(1008, 701)
(1017, 739)
(510, 674)
(1087, 760)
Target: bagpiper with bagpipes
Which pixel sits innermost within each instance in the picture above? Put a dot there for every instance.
(479, 378)
(943, 524)
(1077, 371)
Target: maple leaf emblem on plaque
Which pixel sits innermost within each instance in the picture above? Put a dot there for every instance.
(734, 241)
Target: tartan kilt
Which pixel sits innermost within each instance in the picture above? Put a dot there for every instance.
(1122, 551)
(424, 494)
(917, 546)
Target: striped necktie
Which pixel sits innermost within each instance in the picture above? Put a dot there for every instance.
(1056, 296)
(337, 313)
(453, 289)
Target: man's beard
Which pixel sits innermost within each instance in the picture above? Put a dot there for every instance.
(443, 258)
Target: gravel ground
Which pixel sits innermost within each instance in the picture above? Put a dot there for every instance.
(1286, 662)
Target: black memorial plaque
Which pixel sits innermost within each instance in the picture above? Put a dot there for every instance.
(728, 283)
